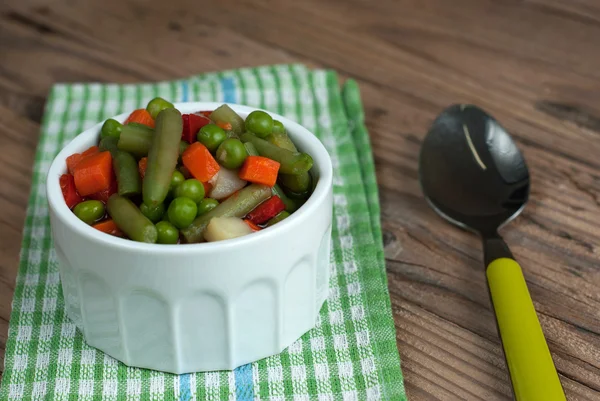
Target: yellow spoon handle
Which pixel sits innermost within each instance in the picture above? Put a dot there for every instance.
(530, 364)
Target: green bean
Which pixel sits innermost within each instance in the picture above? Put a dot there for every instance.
(282, 140)
(136, 139)
(290, 204)
(125, 167)
(157, 105)
(237, 205)
(109, 143)
(127, 172)
(251, 149)
(130, 220)
(280, 216)
(139, 125)
(291, 163)
(89, 211)
(225, 114)
(232, 134)
(162, 157)
(298, 183)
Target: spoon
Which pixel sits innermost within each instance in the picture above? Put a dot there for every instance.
(473, 175)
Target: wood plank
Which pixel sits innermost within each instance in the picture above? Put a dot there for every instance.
(18, 137)
(533, 64)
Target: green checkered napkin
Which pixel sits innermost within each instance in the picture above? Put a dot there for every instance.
(350, 355)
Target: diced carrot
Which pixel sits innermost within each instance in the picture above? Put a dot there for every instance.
(109, 227)
(91, 151)
(253, 226)
(198, 160)
(142, 165)
(75, 158)
(93, 174)
(207, 187)
(260, 170)
(204, 113)
(140, 116)
(67, 186)
(106, 193)
(224, 125)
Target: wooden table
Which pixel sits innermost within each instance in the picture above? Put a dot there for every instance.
(534, 64)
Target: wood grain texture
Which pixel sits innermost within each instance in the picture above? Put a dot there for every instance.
(534, 64)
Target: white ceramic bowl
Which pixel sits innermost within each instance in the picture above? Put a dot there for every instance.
(196, 307)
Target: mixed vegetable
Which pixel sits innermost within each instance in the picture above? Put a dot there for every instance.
(163, 177)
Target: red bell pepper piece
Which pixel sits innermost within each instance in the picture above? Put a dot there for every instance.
(266, 210)
(67, 186)
(191, 125)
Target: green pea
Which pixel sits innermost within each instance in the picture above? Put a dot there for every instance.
(157, 105)
(183, 145)
(112, 128)
(206, 205)
(211, 136)
(191, 188)
(153, 214)
(260, 123)
(182, 211)
(176, 179)
(89, 211)
(167, 233)
(231, 153)
(278, 127)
